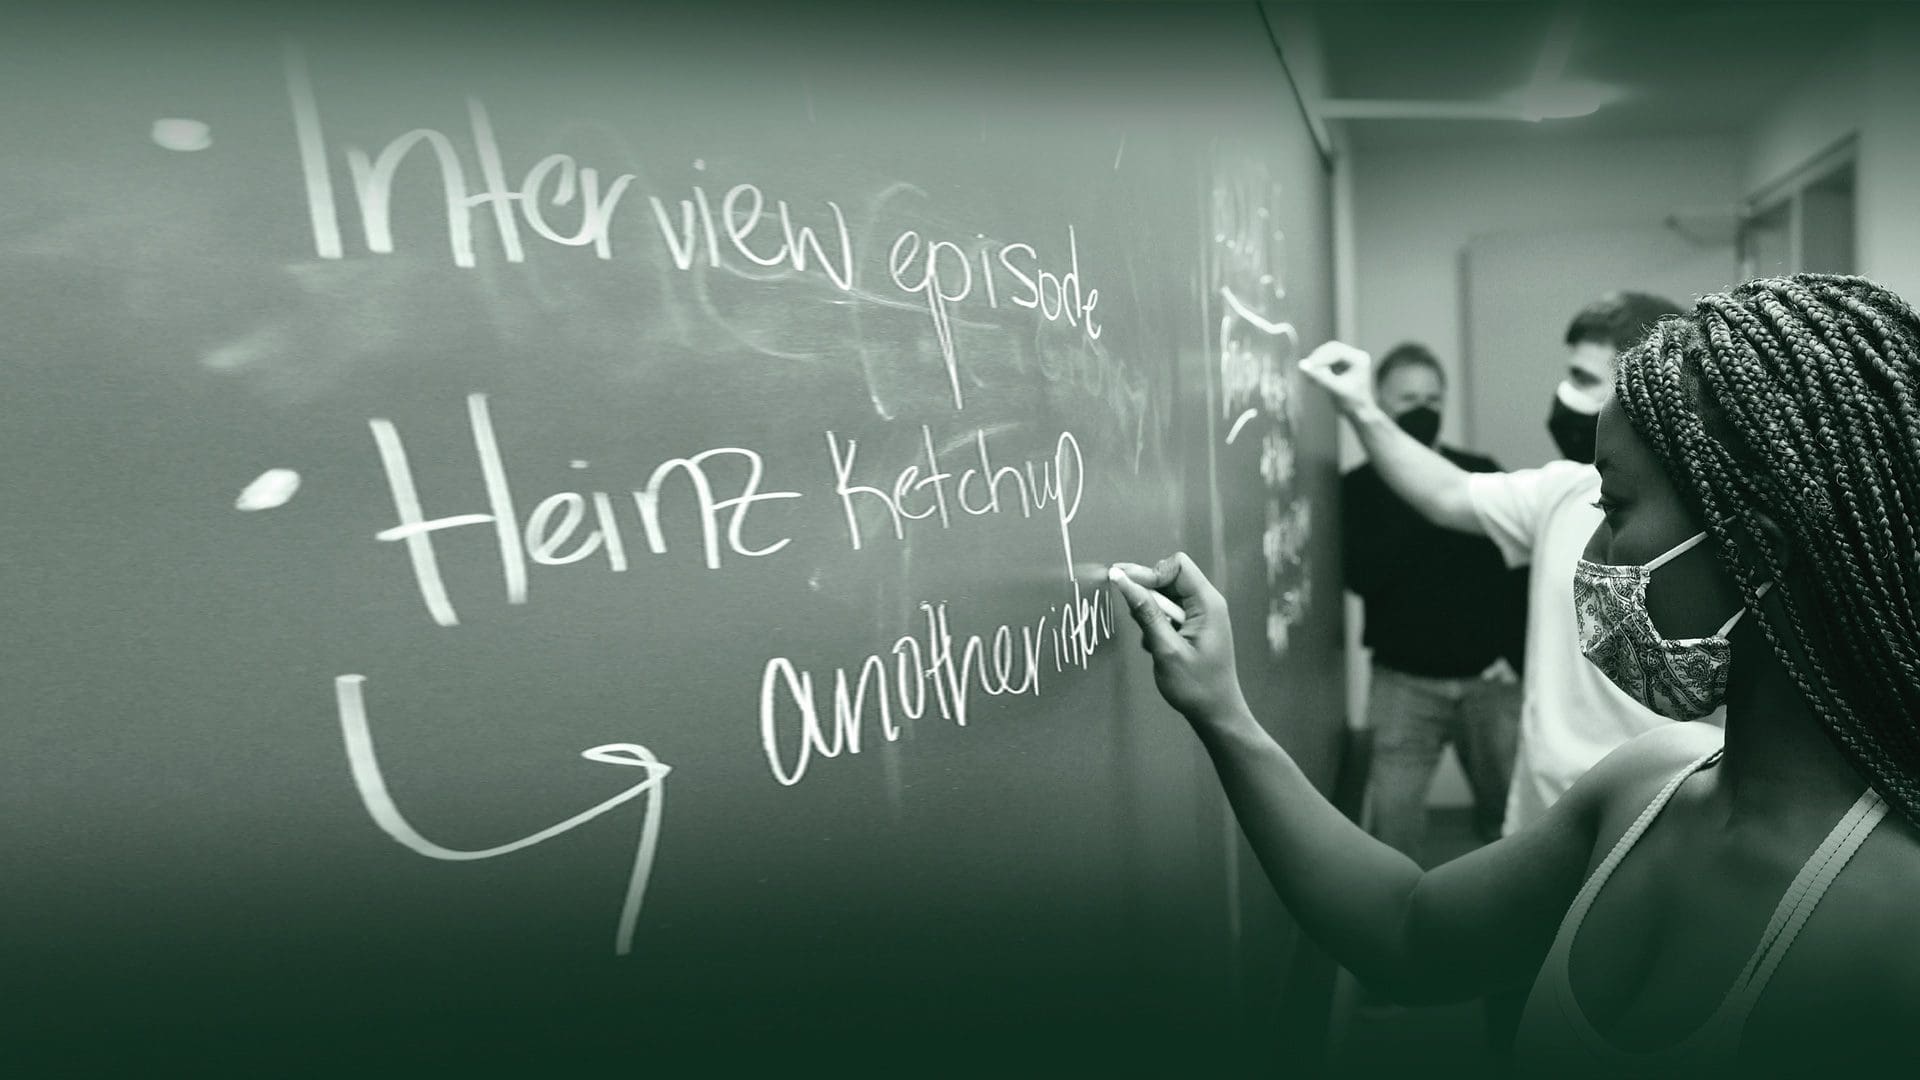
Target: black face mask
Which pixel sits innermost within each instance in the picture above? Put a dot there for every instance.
(1573, 432)
(1422, 422)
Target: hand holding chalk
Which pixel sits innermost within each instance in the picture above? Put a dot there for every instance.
(1091, 574)
(1174, 613)
(1346, 372)
(1193, 649)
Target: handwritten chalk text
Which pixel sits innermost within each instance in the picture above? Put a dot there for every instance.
(1008, 660)
(559, 200)
(557, 520)
(1060, 481)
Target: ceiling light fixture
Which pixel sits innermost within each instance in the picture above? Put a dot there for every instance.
(1564, 99)
(1548, 95)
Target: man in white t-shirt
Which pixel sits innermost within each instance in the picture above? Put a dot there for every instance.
(1571, 715)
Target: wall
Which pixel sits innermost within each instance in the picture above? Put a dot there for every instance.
(1416, 208)
(1889, 205)
(1867, 87)
(1516, 315)
(1810, 118)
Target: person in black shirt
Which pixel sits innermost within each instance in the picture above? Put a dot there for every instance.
(1446, 621)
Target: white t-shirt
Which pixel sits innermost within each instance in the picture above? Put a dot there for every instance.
(1571, 715)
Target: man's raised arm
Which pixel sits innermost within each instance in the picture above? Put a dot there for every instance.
(1418, 474)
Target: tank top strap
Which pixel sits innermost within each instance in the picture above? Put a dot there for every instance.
(1717, 1038)
(1596, 880)
(1796, 906)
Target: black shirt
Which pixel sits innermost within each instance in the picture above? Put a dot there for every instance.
(1439, 603)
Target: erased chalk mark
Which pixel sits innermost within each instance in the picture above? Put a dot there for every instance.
(229, 357)
(269, 490)
(181, 134)
(987, 432)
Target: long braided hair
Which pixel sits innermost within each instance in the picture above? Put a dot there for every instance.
(1799, 398)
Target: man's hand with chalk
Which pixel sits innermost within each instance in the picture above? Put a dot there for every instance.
(1184, 625)
(1347, 374)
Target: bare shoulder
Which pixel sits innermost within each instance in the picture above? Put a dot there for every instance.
(1660, 752)
(1617, 789)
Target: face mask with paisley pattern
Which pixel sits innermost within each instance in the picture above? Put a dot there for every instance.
(1681, 679)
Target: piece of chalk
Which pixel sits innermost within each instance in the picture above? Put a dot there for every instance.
(1174, 613)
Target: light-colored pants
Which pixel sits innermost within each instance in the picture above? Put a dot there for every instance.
(1412, 717)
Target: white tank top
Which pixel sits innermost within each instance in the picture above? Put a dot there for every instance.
(1554, 1037)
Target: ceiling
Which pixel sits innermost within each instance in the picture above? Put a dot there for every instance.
(1687, 66)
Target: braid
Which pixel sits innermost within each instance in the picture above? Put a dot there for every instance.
(1659, 391)
(1799, 399)
(1849, 425)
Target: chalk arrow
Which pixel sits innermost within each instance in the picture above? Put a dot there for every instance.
(372, 786)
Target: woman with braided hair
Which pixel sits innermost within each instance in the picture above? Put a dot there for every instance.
(1703, 902)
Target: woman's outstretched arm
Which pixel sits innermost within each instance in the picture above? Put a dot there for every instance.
(1481, 923)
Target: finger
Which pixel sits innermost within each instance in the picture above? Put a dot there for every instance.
(1321, 373)
(1333, 358)
(1182, 580)
(1156, 631)
(1332, 351)
(1153, 577)
(1178, 577)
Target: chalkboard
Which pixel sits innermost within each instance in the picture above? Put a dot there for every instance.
(571, 539)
